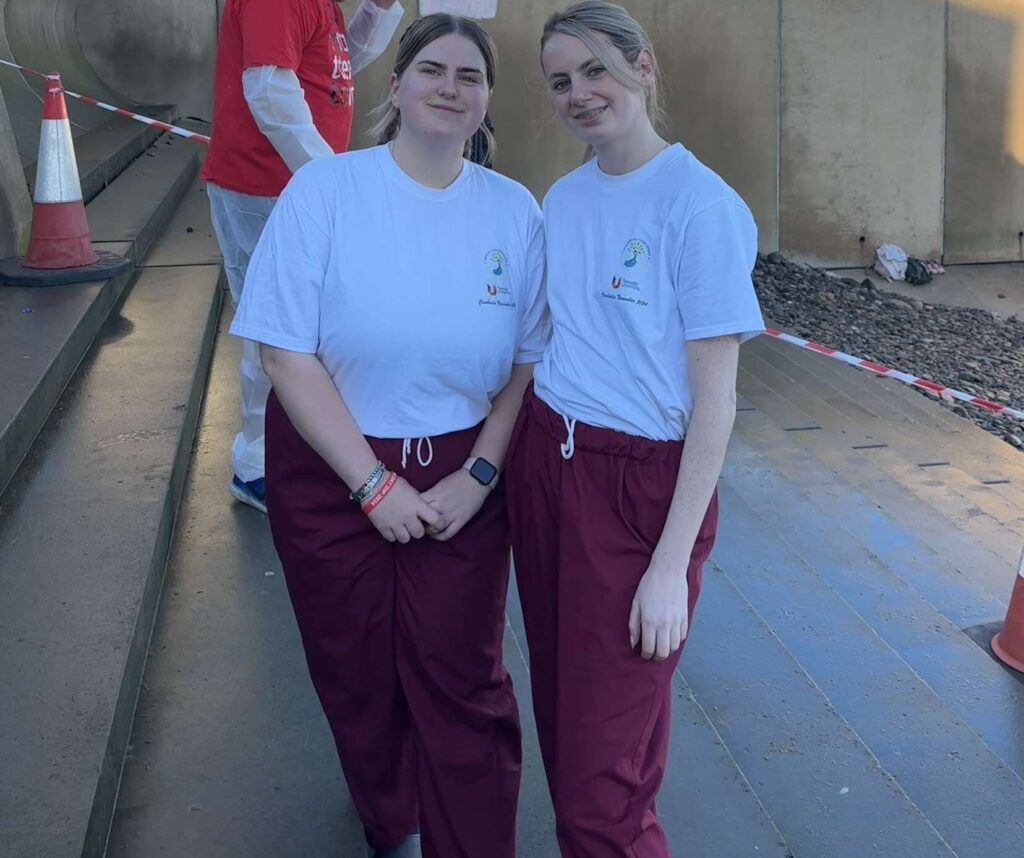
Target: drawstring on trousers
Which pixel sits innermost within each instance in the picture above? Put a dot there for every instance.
(569, 447)
(407, 449)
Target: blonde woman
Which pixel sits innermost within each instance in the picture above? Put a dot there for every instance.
(649, 260)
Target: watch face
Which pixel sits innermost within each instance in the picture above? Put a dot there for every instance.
(483, 471)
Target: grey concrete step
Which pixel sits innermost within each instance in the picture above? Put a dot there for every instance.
(922, 468)
(44, 333)
(230, 754)
(969, 464)
(965, 677)
(84, 535)
(894, 400)
(188, 237)
(822, 786)
(955, 573)
(147, 193)
(105, 151)
(789, 405)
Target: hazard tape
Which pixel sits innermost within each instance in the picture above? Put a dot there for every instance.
(905, 377)
(120, 111)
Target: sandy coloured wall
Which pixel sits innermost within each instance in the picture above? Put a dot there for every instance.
(887, 120)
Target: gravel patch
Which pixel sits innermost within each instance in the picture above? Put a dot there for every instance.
(971, 350)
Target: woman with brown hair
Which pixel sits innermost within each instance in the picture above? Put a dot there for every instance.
(397, 295)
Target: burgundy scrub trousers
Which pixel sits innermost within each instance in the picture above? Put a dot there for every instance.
(584, 529)
(403, 644)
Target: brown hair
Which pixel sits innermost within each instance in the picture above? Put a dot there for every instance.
(421, 33)
(588, 21)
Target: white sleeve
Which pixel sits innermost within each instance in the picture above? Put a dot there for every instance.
(535, 322)
(279, 107)
(280, 303)
(370, 31)
(713, 273)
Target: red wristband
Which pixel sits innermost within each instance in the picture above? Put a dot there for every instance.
(371, 504)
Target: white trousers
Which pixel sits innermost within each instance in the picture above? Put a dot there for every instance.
(238, 220)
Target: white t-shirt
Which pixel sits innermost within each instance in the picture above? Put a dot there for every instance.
(638, 265)
(417, 301)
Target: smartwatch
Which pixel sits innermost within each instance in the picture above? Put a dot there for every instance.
(481, 470)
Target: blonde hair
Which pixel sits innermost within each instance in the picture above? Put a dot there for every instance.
(421, 33)
(588, 21)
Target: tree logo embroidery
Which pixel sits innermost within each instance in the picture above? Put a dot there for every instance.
(635, 253)
(495, 278)
(495, 264)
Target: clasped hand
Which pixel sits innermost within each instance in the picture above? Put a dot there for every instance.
(440, 512)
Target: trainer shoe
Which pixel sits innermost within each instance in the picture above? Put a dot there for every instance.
(251, 493)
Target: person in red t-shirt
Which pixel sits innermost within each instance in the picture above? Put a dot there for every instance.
(282, 95)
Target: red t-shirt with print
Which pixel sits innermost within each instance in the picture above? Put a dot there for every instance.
(306, 36)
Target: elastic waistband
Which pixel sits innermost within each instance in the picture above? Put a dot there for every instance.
(594, 439)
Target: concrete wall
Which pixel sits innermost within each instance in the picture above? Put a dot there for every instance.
(862, 119)
(43, 35)
(831, 118)
(984, 174)
(15, 204)
(153, 52)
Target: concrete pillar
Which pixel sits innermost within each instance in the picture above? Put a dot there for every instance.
(984, 151)
(862, 128)
(15, 203)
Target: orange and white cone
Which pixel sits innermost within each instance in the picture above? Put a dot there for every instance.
(1008, 645)
(60, 232)
(59, 249)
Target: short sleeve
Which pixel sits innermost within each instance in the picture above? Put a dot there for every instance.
(275, 33)
(713, 273)
(280, 303)
(535, 322)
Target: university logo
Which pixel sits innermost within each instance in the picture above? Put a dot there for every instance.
(629, 281)
(495, 267)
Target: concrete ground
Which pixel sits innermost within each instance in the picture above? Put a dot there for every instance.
(996, 287)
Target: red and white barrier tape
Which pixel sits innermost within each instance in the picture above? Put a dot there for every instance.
(905, 377)
(138, 117)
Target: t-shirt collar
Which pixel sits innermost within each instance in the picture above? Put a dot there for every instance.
(640, 174)
(400, 177)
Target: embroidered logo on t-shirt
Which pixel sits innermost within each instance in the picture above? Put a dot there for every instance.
(496, 278)
(627, 281)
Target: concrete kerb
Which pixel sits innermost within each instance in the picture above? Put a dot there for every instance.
(17, 436)
(105, 799)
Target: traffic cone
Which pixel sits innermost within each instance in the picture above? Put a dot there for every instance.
(60, 232)
(1008, 645)
(59, 249)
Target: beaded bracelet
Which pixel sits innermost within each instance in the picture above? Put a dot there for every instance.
(371, 504)
(370, 486)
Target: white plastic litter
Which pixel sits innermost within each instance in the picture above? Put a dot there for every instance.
(890, 262)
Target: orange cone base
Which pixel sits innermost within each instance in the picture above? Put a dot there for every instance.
(14, 272)
(1008, 645)
(60, 237)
